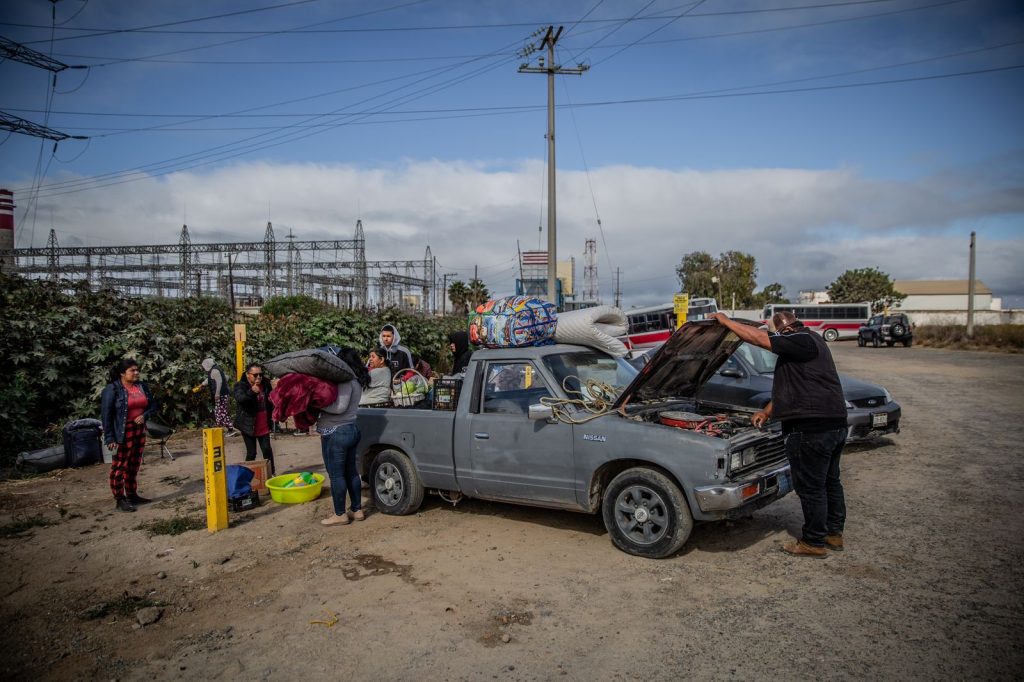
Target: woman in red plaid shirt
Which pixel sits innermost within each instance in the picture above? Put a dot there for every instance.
(125, 404)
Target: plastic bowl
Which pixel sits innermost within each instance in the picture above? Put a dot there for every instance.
(305, 493)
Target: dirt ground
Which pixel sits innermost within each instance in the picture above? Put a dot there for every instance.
(929, 587)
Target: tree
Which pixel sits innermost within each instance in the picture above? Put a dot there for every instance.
(695, 273)
(773, 293)
(476, 293)
(865, 284)
(301, 305)
(733, 273)
(458, 294)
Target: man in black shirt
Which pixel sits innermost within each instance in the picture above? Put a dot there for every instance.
(808, 399)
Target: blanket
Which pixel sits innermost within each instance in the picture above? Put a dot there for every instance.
(301, 396)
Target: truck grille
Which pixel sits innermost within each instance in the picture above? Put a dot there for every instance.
(765, 453)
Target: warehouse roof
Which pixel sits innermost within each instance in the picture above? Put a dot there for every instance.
(938, 287)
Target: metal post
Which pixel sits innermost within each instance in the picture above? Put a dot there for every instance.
(970, 292)
(231, 284)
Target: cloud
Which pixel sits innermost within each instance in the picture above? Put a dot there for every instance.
(804, 226)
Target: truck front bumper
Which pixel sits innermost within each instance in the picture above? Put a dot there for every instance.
(763, 487)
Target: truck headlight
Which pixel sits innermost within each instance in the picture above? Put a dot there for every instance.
(849, 405)
(742, 458)
(888, 396)
(735, 460)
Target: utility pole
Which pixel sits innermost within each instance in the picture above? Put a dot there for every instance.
(618, 292)
(444, 285)
(550, 68)
(970, 292)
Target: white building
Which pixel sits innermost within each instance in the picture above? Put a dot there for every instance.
(944, 295)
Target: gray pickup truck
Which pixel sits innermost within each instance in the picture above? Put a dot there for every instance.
(658, 459)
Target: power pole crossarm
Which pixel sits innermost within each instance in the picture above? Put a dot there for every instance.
(26, 55)
(549, 68)
(16, 124)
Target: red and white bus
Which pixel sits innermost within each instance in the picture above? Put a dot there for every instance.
(833, 321)
(654, 324)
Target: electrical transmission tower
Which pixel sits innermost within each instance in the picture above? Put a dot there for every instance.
(590, 287)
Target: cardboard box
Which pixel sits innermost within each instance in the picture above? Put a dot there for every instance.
(260, 469)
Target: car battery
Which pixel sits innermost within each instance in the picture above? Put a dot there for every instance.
(237, 504)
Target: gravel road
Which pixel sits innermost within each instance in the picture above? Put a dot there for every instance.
(929, 587)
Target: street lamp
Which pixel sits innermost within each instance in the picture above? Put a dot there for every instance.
(716, 278)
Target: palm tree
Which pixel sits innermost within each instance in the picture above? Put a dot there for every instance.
(458, 294)
(477, 293)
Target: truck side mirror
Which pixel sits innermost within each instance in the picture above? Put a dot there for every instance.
(731, 372)
(540, 412)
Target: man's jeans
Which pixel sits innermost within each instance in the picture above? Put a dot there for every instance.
(814, 462)
(339, 452)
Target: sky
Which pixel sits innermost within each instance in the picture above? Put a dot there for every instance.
(817, 136)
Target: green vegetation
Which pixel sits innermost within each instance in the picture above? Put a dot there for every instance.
(998, 337)
(865, 284)
(60, 339)
(733, 273)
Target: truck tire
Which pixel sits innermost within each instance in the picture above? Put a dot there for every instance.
(831, 335)
(646, 514)
(875, 341)
(907, 343)
(394, 484)
(897, 330)
(860, 341)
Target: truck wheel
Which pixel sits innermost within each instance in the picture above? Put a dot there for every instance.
(907, 343)
(897, 330)
(875, 341)
(394, 484)
(831, 335)
(890, 343)
(646, 514)
(860, 341)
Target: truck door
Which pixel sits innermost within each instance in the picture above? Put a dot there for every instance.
(512, 457)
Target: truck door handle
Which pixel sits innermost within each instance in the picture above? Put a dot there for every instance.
(481, 436)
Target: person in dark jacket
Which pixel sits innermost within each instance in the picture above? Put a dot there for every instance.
(125, 404)
(459, 344)
(808, 399)
(398, 356)
(254, 417)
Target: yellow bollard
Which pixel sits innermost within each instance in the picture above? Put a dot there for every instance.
(239, 351)
(681, 304)
(215, 473)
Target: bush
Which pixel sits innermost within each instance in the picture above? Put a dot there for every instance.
(60, 340)
(58, 347)
(999, 337)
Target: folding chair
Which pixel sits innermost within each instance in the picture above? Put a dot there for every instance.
(160, 433)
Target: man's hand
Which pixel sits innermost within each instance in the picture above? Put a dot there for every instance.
(111, 446)
(759, 418)
(140, 419)
(718, 317)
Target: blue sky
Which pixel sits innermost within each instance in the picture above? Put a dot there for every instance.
(861, 134)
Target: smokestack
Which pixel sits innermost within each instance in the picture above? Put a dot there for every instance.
(6, 228)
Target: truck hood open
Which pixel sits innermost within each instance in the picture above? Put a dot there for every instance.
(684, 363)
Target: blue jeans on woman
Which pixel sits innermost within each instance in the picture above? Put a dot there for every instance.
(339, 451)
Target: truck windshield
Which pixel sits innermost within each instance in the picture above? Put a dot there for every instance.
(572, 370)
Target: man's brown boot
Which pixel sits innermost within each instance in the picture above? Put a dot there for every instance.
(834, 542)
(801, 548)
